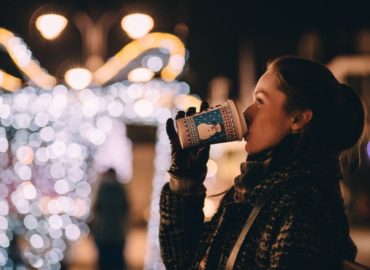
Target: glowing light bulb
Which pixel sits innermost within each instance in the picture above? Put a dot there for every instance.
(51, 25)
(154, 63)
(78, 78)
(137, 25)
(37, 241)
(140, 75)
(143, 108)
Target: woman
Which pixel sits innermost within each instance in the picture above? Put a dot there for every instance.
(301, 119)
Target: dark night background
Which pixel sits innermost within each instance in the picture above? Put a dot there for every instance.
(217, 33)
(216, 30)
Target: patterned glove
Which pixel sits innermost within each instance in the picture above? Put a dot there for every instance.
(189, 163)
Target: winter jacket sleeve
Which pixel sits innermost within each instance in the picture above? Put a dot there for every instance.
(181, 225)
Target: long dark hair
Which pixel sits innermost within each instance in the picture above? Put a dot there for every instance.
(339, 116)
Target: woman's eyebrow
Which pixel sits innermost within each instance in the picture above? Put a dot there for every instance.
(261, 92)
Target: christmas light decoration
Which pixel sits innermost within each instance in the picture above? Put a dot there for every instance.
(51, 141)
(47, 141)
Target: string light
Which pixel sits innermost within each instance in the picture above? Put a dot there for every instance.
(48, 157)
(169, 45)
(47, 164)
(137, 25)
(51, 25)
(22, 57)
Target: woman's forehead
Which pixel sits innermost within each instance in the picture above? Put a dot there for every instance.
(268, 86)
(267, 83)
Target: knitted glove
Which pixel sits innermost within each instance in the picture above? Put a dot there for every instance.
(189, 166)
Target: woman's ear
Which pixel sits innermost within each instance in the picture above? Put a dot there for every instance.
(299, 119)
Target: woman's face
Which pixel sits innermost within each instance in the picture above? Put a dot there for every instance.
(267, 121)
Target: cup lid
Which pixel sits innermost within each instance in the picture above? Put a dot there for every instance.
(242, 125)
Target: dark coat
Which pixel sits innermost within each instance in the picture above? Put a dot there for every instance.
(304, 226)
(111, 211)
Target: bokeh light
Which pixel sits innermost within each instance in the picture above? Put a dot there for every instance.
(140, 75)
(78, 78)
(137, 25)
(47, 140)
(51, 25)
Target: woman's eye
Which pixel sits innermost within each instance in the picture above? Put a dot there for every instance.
(259, 101)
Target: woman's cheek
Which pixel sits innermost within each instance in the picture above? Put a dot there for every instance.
(250, 145)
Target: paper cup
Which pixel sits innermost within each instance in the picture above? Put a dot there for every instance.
(223, 123)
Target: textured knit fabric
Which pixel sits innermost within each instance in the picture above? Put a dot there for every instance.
(304, 226)
(251, 173)
(187, 185)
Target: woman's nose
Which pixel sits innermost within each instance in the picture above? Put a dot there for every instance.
(248, 114)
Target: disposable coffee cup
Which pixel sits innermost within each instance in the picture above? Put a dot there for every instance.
(223, 123)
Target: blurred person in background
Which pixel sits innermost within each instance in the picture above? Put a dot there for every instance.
(110, 222)
(301, 121)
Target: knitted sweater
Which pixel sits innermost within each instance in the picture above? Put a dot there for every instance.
(303, 226)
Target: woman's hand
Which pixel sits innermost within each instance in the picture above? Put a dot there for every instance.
(190, 162)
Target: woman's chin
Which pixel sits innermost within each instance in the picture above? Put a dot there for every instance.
(247, 148)
(250, 149)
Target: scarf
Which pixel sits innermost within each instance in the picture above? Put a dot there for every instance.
(284, 161)
(261, 173)
(251, 173)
